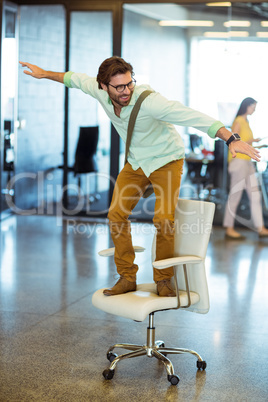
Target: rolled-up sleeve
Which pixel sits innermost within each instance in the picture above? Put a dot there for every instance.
(67, 79)
(212, 131)
(81, 81)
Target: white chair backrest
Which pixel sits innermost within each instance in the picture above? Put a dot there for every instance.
(193, 224)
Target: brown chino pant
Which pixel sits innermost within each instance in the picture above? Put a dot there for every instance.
(129, 187)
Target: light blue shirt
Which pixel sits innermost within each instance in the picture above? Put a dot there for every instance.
(155, 141)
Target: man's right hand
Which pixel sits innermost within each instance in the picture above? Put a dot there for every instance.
(38, 72)
(35, 72)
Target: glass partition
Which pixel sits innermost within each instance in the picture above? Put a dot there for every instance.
(158, 55)
(227, 64)
(90, 44)
(209, 56)
(40, 110)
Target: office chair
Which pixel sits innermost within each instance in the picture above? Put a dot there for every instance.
(200, 168)
(193, 222)
(85, 156)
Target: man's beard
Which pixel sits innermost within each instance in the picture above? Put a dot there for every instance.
(118, 99)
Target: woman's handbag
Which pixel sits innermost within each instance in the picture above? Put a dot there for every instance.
(149, 190)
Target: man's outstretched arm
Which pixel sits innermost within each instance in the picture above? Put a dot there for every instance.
(39, 73)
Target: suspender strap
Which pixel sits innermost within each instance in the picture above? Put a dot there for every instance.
(132, 119)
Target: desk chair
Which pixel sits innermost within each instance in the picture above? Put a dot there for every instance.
(85, 155)
(193, 222)
(200, 168)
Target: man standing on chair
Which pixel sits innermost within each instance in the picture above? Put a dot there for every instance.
(156, 156)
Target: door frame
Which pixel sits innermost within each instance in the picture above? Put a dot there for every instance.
(12, 6)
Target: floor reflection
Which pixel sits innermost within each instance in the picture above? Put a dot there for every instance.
(8, 256)
(50, 269)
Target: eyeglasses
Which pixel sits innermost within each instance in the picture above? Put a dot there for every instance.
(121, 88)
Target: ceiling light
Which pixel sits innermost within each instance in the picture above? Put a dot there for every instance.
(241, 34)
(219, 4)
(216, 34)
(229, 24)
(229, 34)
(262, 34)
(264, 23)
(186, 23)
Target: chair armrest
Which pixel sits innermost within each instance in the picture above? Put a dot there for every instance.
(110, 251)
(169, 262)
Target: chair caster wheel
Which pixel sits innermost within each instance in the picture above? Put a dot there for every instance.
(173, 379)
(108, 374)
(201, 365)
(111, 356)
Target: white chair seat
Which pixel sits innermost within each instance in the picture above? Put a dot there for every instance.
(139, 304)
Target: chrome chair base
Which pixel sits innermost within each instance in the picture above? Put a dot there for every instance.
(151, 349)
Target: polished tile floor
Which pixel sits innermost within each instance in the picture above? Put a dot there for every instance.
(53, 342)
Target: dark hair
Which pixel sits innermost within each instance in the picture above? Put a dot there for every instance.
(111, 67)
(244, 105)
